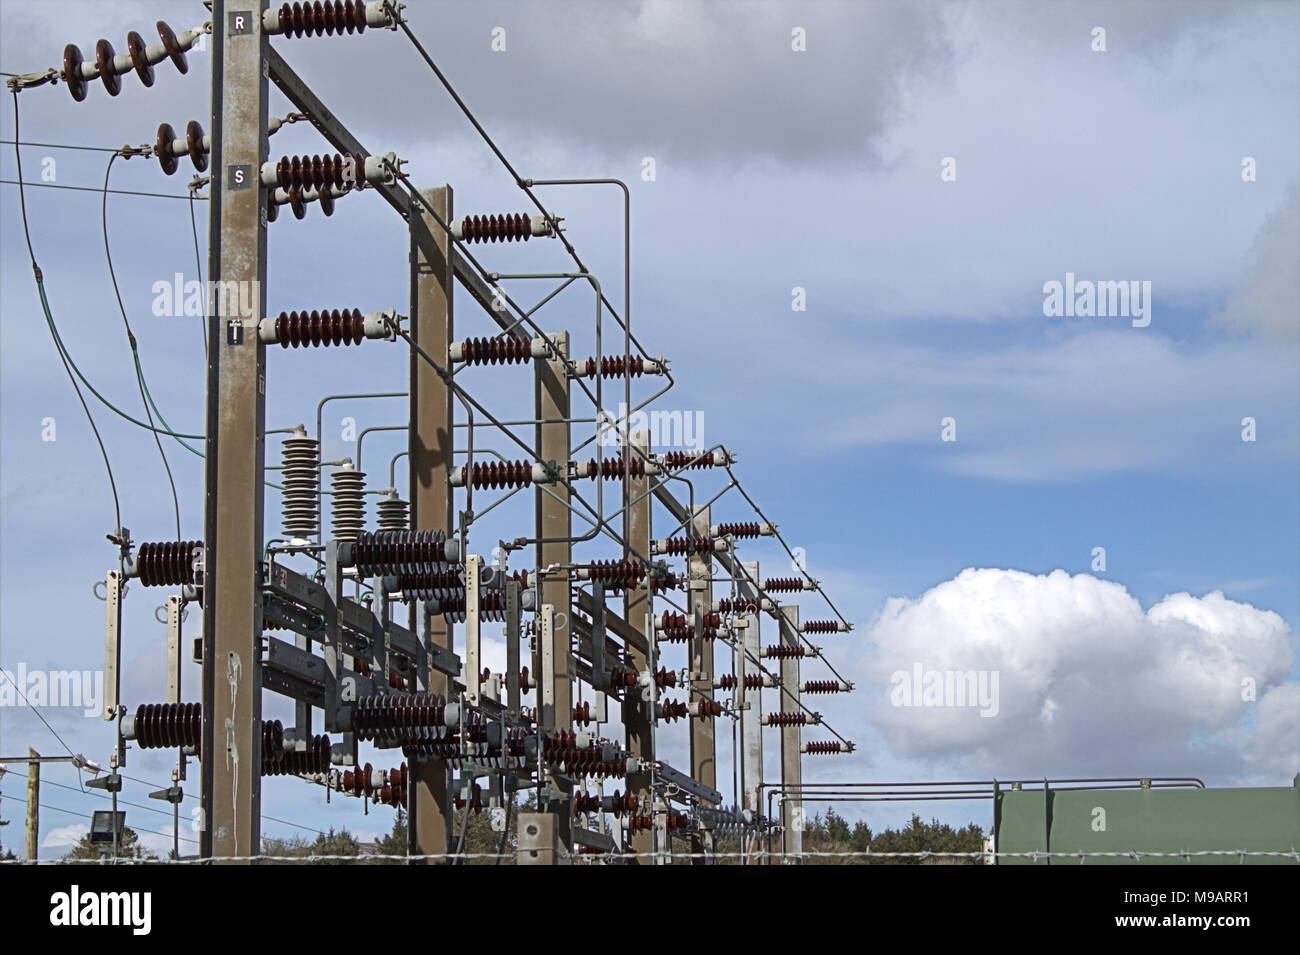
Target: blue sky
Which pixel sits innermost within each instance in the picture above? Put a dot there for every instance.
(777, 170)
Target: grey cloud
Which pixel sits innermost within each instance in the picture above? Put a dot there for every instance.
(1267, 303)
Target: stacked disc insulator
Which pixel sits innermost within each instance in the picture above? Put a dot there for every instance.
(492, 228)
(393, 513)
(440, 586)
(386, 553)
(164, 725)
(613, 366)
(314, 759)
(167, 563)
(348, 508)
(508, 350)
(686, 460)
(824, 747)
(301, 478)
(744, 530)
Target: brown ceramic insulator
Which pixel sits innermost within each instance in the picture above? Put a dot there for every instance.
(524, 684)
(665, 678)
(357, 781)
(687, 634)
(639, 822)
(741, 531)
(585, 802)
(582, 714)
(622, 677)
(507, 350)
(491, 606)
(753, 681)
(194, 145)
(627, 574)
(707, 709)
(272, 741)
(501, 474)
(670, 620)
(163, 148)
(319, 172)
(787, 719)
(613, 366)
(443, 585)
(673, 710)
(316, 328)
(322, 18)
(677, 546)
(820, 626)
(619, 803)
(677, 821)
(395, 680)
(431, 749)
(394, 553)
(172, 46)
(503, 228)
(314, 759)
(167, 563)
(104, 54)
(167, 725)
(677, 635)
(784, 652)
(72, 61)
(728, 605)
(135, 45)
(615, 467)
(823, 747)
(688, 460)
(823, 686)
(404, 717)
(782, 585)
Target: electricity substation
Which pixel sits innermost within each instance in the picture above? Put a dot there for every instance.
(634, 623)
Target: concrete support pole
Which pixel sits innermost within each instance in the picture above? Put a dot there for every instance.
(554, 529)
(431, 460)
(791, 737)
(704, 766)
(235, 446)
(750, 702)
(637, 715)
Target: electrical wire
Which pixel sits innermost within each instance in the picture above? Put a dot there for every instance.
(135, 351)
(198, 265)
(120, 192)
(35, 709)
(40, 287)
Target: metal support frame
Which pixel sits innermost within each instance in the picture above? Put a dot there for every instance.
(235, 448)
(473, 629)
(112, 642)
(431, 460)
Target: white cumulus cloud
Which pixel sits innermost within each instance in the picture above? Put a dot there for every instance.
(1088, 683)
